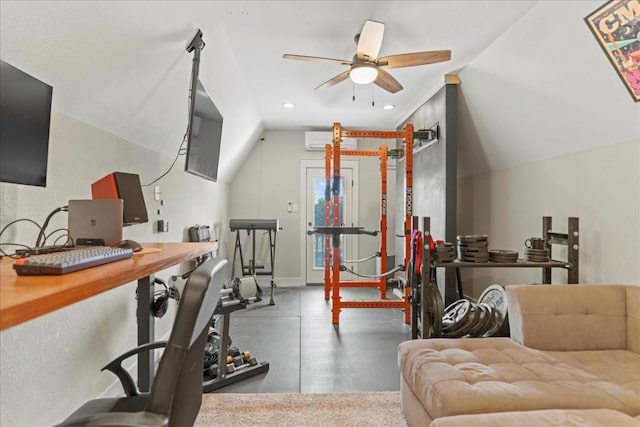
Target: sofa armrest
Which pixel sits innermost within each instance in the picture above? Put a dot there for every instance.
(633, 318)
(568, 317)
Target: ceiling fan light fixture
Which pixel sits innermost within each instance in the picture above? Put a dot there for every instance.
(363, 74)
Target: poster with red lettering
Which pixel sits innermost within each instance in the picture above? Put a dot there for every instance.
(616, 26)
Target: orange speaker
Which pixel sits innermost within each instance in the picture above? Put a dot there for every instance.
(125, 186)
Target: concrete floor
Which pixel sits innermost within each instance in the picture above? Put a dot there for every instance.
(308, 354)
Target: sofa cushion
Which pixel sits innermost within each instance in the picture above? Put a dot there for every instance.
(566, 318)
(619, 368)
(478, 375)
(543, 418)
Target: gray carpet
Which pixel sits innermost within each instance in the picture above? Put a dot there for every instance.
(380, 409)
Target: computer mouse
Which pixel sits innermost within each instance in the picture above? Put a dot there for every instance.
(129, 244)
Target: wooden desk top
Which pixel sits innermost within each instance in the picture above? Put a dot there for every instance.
(23, 298)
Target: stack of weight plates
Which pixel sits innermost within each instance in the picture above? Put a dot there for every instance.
(486, 318)
(503, 255)
(473, 248)
(536, 255)
(445, 252)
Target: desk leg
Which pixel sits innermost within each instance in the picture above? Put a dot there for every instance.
(146, 333)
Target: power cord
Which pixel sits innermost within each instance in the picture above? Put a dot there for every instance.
(46, 224)
(27, 250)
(181, 150)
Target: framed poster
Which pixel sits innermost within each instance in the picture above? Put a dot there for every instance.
(616, 26)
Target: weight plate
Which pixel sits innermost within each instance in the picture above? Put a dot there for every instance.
(476, 321)
(496, 296)
(433, 313)
(489, 319)
(480, 321)
(439, 311)
(502, 255)
(462, 316)
(472, 238)
(496, 324)
(455, 312)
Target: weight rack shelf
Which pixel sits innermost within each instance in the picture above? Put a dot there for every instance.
(423, 307)
(223, 378)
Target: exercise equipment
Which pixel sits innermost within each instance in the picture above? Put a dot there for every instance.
(232, 298)
(488, 316)
(270, 227)
(333, 263)
(224, 364)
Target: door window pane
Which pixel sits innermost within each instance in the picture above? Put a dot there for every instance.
(321, 193)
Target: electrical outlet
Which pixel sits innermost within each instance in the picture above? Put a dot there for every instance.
(290, 206)
(162, 226)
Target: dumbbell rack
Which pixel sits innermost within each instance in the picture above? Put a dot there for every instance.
(423, 290)
(223, 378)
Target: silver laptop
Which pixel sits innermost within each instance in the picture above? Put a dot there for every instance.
(90, 221)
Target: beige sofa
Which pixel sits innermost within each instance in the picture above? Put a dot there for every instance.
(573, 359)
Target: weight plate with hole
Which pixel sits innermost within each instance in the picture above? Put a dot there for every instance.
(455, 312)
(461, 317)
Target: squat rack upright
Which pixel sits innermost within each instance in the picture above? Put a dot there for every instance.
(332, 256)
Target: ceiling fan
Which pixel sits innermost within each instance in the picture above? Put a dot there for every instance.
(366, 67)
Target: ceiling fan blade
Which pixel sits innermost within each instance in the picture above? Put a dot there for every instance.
(415, 58)
(334, 80)
(387, 82)
(370, 40)
(316, 59)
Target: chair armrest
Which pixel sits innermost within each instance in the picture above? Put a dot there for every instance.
(121, 419)
(123, 375)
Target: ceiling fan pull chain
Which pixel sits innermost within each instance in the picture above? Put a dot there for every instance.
(353, 88)
(373, 102)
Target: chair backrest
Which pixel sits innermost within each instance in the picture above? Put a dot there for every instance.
(177, 387)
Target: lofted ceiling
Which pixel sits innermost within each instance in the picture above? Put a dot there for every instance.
(122, 65)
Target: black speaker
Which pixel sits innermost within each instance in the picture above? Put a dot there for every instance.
(125, 186)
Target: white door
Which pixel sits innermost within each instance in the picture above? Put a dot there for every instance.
(315, 197)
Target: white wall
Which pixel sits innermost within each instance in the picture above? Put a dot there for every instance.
(51, 365)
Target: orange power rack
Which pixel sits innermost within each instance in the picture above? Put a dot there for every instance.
(332, 254)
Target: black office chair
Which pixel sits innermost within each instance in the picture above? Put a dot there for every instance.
(176, 393)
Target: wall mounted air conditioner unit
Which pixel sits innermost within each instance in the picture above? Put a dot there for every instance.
(315, 141)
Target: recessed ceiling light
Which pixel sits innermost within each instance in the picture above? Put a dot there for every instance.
(288, 105)
(389, 107)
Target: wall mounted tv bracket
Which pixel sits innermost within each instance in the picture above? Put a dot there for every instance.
(195, 45)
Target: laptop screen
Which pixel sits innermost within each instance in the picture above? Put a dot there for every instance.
(95, 221)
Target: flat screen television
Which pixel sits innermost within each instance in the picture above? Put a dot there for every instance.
(204, 137)
(25, 114)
